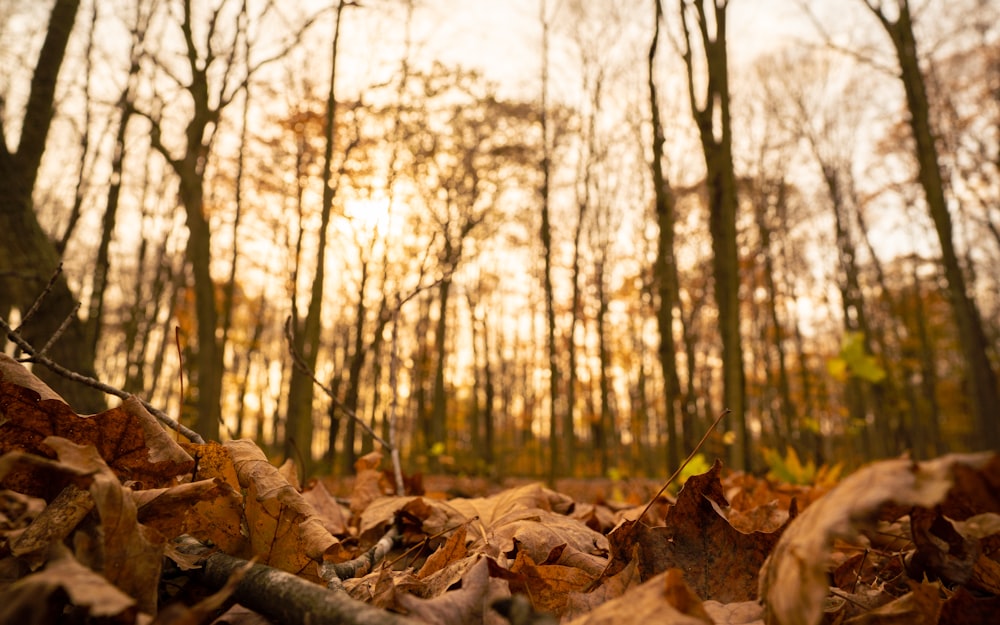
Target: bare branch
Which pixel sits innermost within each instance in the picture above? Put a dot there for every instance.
(301, 365)
(36, 357)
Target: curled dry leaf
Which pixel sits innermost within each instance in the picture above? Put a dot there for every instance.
(129, 554)
(465, 606)
(206, 509)
(793, 582)
(285, 531)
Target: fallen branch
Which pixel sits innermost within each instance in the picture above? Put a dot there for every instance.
(336, 571)
(282, 597)
(35, 356)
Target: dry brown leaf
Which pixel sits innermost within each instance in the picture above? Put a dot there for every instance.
(369, 484)
(610, 588)
(964, 608)
(53, 524)
(920, 606)
(794, 582)
(737, 613)
(682, 598)
(206, 509)
(647, 603)
(130, 554)
(127, 437)
(719, 561)
(213, 460)
(38, 598)
(380, 513)
(453, 550)
(327, 509)
(538, 532)
(527, 497)
(284, 530)
(465, 606)
(547, 585)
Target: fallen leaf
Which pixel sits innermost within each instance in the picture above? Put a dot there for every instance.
(794, 582)
(127, 437)
(647, 603)
(129, 553)
(327, 509)
(285, 531)
(454, 549)
(920, 606)
(719, 561)
(548, 586)
(207, 509)
(39, 598)
(465, 606)
(611, 587)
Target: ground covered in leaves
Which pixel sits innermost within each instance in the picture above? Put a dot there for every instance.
(109, 519)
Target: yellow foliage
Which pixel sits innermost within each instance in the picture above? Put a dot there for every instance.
(791, 470)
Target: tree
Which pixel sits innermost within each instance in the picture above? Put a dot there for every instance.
(984, 396)
(29, 256)
(712, 116)
(299, 423)
(556, 428)
(664, 271)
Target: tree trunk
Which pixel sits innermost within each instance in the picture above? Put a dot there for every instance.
(300, 394)
(720, 181)
(984, 396)
(663, 270)
(439, 400)
(545, 234)
(29, 256)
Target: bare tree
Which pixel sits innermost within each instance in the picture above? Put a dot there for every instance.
(984, 396)
(664, 270)
(30, 257)
(711, 113)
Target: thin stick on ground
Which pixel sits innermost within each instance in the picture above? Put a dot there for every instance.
(684, 464)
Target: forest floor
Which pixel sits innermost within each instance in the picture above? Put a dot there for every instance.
(110, 519)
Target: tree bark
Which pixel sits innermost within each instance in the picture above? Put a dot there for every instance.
(663, 270)
(714, 129)
(30, 257)
(299, 426)
(984, 396)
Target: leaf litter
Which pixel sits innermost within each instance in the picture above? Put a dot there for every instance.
(108, 519)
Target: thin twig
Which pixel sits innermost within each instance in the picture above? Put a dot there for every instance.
(684, 464)
(363, 563)
(41, 296)
(59, 331)
(58, 369)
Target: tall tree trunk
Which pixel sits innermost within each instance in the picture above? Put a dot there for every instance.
(29, 256)
(299, 425)
(545, 233)
(788, 416)
(663, 270)
(439, 400)
(714, 128)
(984, 396)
